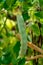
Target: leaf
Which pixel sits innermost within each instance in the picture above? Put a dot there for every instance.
(10, 2)
(16, 48)
(1, 0)
(25, 16)
(25, 7)
(23, 35)
(6, 59)
(15, 61)
(0, 61)
(39, 14)
(29, 38)
(19, 61)
(5, 5)
(42, 29)
(35, 29)
(41, 2)
(22, 61)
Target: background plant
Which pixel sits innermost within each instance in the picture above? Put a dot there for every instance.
(21, 28)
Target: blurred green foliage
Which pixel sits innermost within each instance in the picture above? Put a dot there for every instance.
(31, 19)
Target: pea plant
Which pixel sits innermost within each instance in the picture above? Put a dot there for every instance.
(21, 32)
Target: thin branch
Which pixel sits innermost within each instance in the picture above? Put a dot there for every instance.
(31, 45)
(33, 57)
(34, 47)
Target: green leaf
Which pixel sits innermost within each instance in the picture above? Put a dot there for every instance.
(25, 7)
(25, 16)
(10, 2)
(5, 5)
(19, 61)
(29, 38)
(22, 61)
(39, 14)
(0, 61)
(16, 48)
(41, 2)
(6, 58)
(23, 35)
(15, 61)
(35, 29)
(1, 1)
(42, 29)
